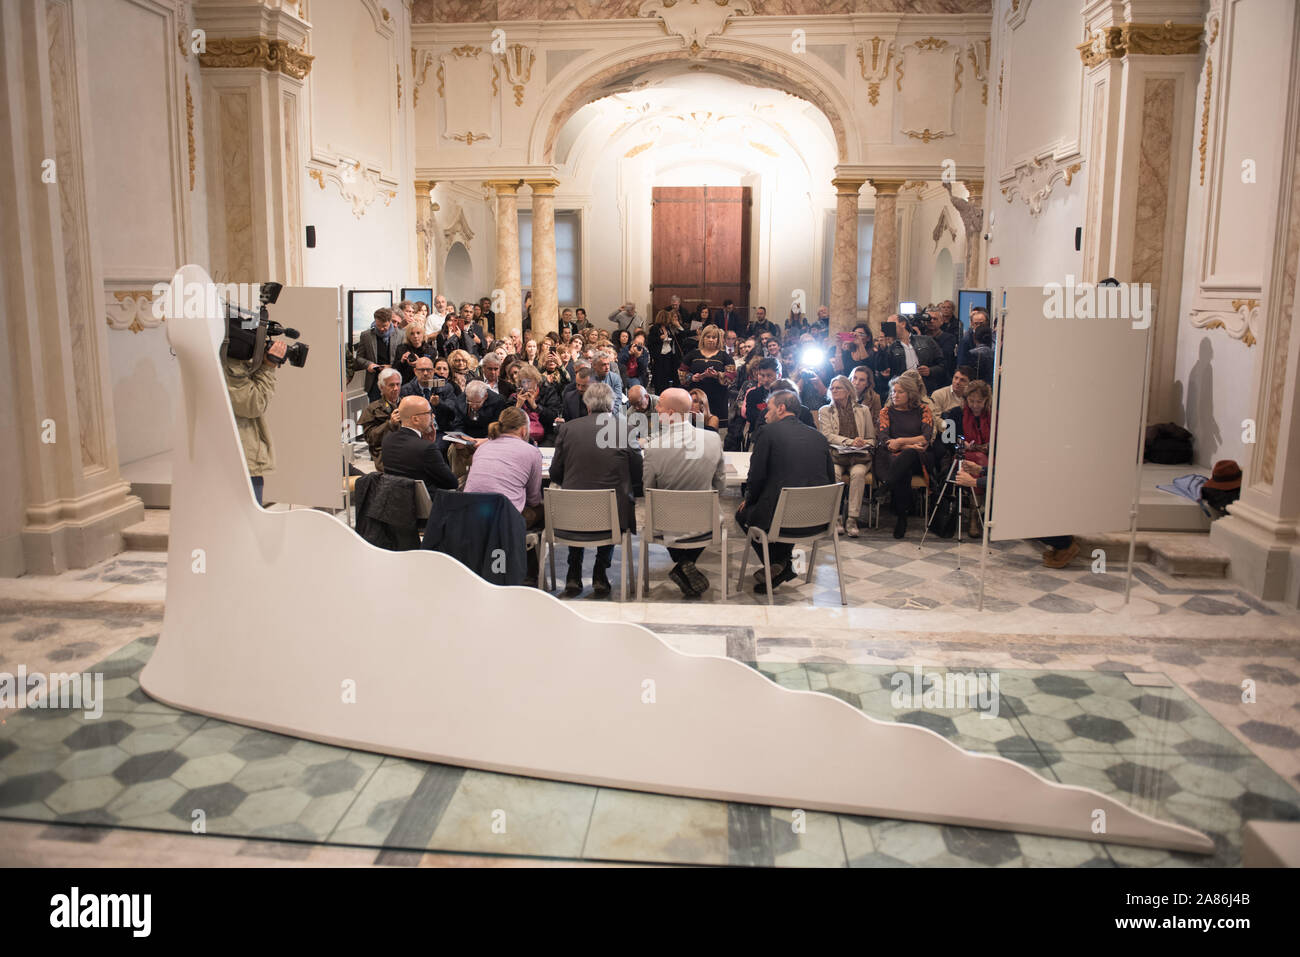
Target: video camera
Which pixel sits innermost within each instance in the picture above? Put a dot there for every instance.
(247, 332)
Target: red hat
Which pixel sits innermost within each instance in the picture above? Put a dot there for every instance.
(1226, 475)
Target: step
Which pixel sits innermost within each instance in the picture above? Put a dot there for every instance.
(1188, 555)
(149, 535)
(1115, 545)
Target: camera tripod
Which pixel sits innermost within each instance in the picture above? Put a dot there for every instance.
(948, 483)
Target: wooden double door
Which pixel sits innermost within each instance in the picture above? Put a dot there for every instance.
(700, 246)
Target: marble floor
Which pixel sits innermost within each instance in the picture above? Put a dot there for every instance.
(1074, 708)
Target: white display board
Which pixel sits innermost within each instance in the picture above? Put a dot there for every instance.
(1068, 421)
(306, 415)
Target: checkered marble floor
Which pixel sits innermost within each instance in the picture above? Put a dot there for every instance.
(145, 765)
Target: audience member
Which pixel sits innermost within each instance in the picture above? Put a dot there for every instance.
(411, 350)
(625, 317)
(376, 350)
(380, 417)
(410, 451)
(708, 368)
(905, 430)
(911, 351)
(950, 396)
(845, 422)
(978, 317)
(864, 390)
(474, 410)
(604, 373)
(634, 362)
(584, 459)
(787, 454)
(572, 404)
(701, 412)
(664, 344)
(487, 316)
(762, 324)
(732, 320)
(981, 357)
(508, 464)
(765, 373)
(539, 401)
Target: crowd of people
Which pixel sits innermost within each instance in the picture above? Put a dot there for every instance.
(459, 399)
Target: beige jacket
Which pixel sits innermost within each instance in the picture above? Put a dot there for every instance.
(828, 422)
(250, 395)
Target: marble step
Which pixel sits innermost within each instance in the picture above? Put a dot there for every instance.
(1175, 553)
(149, 535)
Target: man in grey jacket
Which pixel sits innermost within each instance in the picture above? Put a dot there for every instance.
(683, 457)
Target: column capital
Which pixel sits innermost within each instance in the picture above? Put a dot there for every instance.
(504, 185)
(425, 186)
(886, 187)
(847, 184)
(543, 187)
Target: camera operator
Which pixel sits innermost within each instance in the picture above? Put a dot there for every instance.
(251, 385)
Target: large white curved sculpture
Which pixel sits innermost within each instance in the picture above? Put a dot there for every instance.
(269, 616)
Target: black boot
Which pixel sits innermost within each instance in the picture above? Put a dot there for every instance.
(599, 582)
(900, 525)
(573, 582)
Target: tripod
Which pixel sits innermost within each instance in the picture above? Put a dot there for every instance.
(975, 504)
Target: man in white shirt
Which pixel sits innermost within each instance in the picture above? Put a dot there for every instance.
(683, 457)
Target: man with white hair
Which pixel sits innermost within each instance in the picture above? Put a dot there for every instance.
(683, 457)
(604, 372)
(380, 417)
(625, 317)
(585, 458)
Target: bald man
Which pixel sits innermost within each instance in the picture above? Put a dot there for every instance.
(684, 458)
(410, 451)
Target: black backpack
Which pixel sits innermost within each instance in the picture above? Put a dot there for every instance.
(1168, 444)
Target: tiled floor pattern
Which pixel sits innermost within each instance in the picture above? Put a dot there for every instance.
(144, 765)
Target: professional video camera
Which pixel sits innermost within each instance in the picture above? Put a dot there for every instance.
(247, 332)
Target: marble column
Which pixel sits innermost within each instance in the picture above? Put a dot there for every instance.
(426, 227)
(882, 301)
(65, 503)
(546, 301)
(972, 218)
(844, 256)
(507, 273)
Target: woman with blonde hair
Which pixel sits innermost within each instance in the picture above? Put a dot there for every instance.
(413, 347)
(925, 393)
(462, 370)
(845, 422)
(539, 400)
(700, 407)
(710, 369)
(905, 429)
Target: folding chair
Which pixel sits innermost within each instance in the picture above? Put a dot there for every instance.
(584, 518)
(681, 519)
(802, 514)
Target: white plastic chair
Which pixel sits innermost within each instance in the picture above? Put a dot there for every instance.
(815, 510)
(682, 519)
(586, 512)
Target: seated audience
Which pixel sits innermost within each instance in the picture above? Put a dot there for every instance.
(904, 431)
(864, 390)
(805, 414)
(950, 396)
(573, 406)
(584, 460)
(380, 417)
(845, 422)
(787, 454)
(682, 457)
(539, 401)
(766, 372)
(972, 423)
(633, 361)
(474, 410)
(701, 415)
(411, 451)
(554, 372)
(604, 373)
(462, 370)
(510, 465)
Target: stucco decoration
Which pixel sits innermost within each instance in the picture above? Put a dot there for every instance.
(358, 185)
(1240, 322)
(1034, 181)
(874, 58)
(695, 22)
(508, 699)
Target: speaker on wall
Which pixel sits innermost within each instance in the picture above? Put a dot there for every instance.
(1078, 238)
(311, 237)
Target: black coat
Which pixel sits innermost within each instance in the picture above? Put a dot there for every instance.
(369, 350)
(413, 456)
(476, 528)
(787, 454)
(571, 404)
(388, 514)
(928, 353)
(475, 424)
(580, 461)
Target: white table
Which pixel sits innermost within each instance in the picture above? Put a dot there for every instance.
(737, 468)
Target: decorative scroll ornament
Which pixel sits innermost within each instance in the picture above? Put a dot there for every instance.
(1146, 39)
(421, 60)
(979, 52)
(1212, 27)
(1242, 323)
(399, 85)
(927, 134)
(469, 138)
(131, 310)
(519, 68)
(189, 129)
(1034, 181)
(882, 53)
(274, 56)
(359, 186)
(695, 21)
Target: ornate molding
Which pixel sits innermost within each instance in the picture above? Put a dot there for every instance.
(695, 22)
(131, 310)
(1212, 27)
(459, 230)
(357, 185)
(189, 129)
(942, 226)
(882, 53)
(241, 53)
(1241, 323)
(979, 52)
(927, 134)
(1145, 39)
(420, 63)
(519, 61)
(470, 138)
(1033, 181)
(398, 68)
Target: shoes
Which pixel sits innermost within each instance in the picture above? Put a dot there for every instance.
(573, 583)
(786, 575)
(678, 578)
(1061, 557)
(600, 587)
(853, 527)
(900, 525)
(760, 576)
(695, 578)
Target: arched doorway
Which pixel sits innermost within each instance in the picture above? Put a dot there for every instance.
(458, 274)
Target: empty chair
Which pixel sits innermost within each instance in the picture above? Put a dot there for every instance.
(681, 519)
(583, 518)
(802, 514)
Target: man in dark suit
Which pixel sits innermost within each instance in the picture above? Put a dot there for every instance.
(472, 412)
(585, 458)
(473, 338)
(573, 405)
(411, 451)
(732, 319)
(912, 351)
(376, 350)
(762, 324)
(787, 454)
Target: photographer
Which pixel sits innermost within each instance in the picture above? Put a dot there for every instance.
(251, 386)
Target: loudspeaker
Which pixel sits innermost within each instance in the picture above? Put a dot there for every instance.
(1078, 238)
(311, 237)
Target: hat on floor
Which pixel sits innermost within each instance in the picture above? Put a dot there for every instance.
(1226, 475)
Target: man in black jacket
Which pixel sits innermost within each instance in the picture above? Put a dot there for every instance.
(761, 324)
(787, 454)
(910, 351)
(573, 406)
(411, 451)
(376, 350)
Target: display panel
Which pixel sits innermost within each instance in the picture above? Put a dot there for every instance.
(968, 299)
(362, 304)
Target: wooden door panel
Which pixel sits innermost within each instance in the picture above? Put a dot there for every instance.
(700, 245)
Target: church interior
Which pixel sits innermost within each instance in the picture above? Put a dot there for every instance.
(840, 165)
